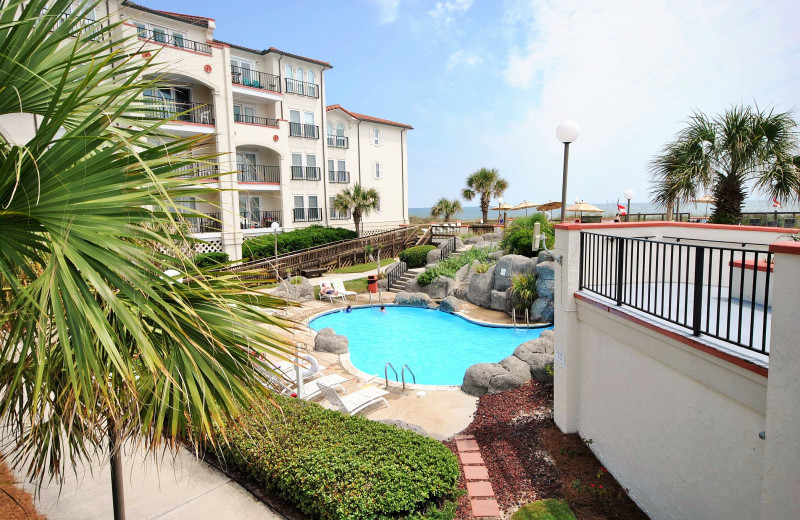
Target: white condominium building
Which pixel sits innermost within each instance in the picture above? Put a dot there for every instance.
(265, 114)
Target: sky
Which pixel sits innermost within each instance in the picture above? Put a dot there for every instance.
(485, 83)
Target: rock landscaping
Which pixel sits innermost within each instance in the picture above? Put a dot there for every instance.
(450, 304)
(299, 290)
(413, 299)
(328, 341)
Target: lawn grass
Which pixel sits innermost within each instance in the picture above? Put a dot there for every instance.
(363, 268)
(548, 509)
(358, 285)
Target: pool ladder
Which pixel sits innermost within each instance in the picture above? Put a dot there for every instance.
(514, 319)
(389, 365)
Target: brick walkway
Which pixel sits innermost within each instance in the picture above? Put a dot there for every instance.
(481, 494)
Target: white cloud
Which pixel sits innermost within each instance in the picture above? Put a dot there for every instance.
(630, 72)
(387, 10)
(463, 59)
(445, 13)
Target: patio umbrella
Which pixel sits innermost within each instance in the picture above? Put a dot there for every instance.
(548, 206)
(501, 207)
(707, 199)
(525, 205)
(584, 207)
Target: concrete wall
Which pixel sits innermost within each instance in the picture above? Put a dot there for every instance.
(678, 422)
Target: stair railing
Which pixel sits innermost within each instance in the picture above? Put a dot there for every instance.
(448, 248)
(394, 273)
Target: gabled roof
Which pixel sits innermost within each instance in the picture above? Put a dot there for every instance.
(364, 117)
(200, 21)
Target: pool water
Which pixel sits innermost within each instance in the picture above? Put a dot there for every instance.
(437, 346)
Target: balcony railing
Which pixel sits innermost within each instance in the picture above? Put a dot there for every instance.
(255, 120)
(338, 177)
(302, 130)
(209, 224)
(258, 219)
(307, 214)
(308, 173)
(204, 170)
(338, 215)
(338, 141)
(294, 86)
(200, 113)
(258, 173)
(719, 292)
(255, 79)
(173, 40)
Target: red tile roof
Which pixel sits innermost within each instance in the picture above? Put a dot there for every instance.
(278, 51)
(365, 117)
(194, 20)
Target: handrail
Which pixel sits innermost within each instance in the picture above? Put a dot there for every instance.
(744, 244)
(255, 79)
(386, 368)
(403, 375)
(425, 238)
(172, 40)
(395, 272)
(514, 319)
(448, 248)
(527, 320)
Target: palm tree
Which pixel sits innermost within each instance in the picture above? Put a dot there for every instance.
(358, 200)
(446, 208)
(98, 342)
(486, 184)
(724, 154)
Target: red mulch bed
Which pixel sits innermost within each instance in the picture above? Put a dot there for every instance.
(528, 458)
(15, 503)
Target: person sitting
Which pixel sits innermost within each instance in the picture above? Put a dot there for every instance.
(327, 290)
(616, 218)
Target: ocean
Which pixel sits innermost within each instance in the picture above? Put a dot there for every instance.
(610, 208)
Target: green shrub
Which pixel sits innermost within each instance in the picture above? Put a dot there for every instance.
(518, 237)
(428, 276)
(210, 259)
(264, 246)
(482, 268)
(548, 509)
(333, 466)
(450, 265)
(523, 288)
(416, 256)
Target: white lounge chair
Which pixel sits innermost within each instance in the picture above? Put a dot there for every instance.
(330, 297)
(312, 390)
(353, 403)
(338, 286)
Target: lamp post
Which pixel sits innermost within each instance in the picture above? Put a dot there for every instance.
(629, 194)
(275, 227)
(567, 132)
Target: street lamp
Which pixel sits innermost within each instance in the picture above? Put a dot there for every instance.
(567, 132)
(275, 227)
(629, 194)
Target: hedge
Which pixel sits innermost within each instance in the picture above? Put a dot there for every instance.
(211, 259)
(416, 256)
(264, 246)
(334, 466)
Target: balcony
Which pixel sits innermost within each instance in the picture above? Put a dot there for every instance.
(338, 215)
(208, 172)
(301, 130)
(301, 88)
(172, 41)
(255, 120)
(208, 224)
(258, 173)
(338, 177)
(338, 141)
(307, 214)
(254, 79)
(259, 219)
(187, 112)
(308, 173)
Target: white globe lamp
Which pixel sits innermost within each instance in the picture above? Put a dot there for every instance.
(566, 132)
(629, 194)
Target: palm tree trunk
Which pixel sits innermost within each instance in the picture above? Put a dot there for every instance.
(729, 193)
(117, 485)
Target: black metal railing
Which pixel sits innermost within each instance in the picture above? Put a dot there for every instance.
(173, 40)
(255, 79)
(295, 86)
(308, 173)
(188, 112)
(209, 172)
(716, 291)
(307, 214)
(258, 173)
(303, 130)
(335, 214)
(338, 141)
(448, 248)
(208, 224)
(338, 177)
(394, 273)
(250, 219)
(255, 120)
(312, 173)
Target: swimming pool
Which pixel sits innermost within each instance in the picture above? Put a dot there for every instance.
(437, 346)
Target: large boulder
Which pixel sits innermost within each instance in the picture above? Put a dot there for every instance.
(509, 266)
(544, 270)
(500, 301)
(296, 292)
(450, 304)
(434, 256)
(548, 335)
(478, 376)
(477, 239)
(416, 299)
(328, 341)
(440, 287)
(462, 292)
(519, 369)
(496, 255)
(535, 346)
(486, 244)
(466, 271)
(542, 311)
(545, 288)
(480, 288)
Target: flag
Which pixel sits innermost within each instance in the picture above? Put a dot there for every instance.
(775, 203)
(622, 210)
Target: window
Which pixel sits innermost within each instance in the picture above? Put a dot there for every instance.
(329, 132)
(189, 204)
(299, 212)
(295, 128)
(300, 87)
(376, 137)
(314, 212)
(289, 82)
(297, 166)
(141, 29)
(310, 74)
(298, 201)
(311, 87)
(312, 174)
(250, 212)
(242, 63)
(309, 129)
(244, 113)
(340, 140)
(159, 34)
(377, 170)
(288, 72)
(331, 171)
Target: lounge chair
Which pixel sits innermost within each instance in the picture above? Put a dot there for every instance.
(338, 286)
(312, 390)
(353, 403)
(789, 222)
(330, 297)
